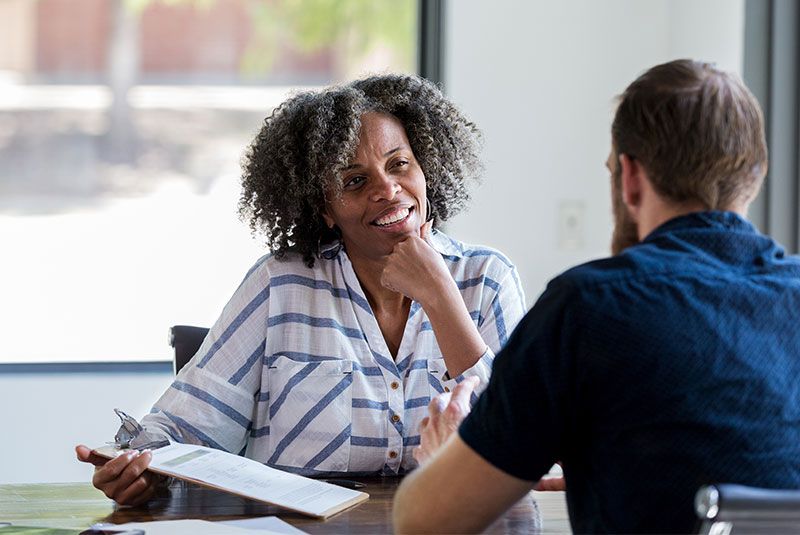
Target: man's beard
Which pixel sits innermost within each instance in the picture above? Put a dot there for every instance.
(626, 232)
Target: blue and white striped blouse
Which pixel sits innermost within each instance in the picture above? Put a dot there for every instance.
(296, 373)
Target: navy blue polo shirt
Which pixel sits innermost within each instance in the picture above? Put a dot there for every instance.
(649, 374)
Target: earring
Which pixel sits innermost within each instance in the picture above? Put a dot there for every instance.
(428, 210)
(332, 243)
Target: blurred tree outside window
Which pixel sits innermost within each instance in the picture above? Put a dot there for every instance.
(122, 125)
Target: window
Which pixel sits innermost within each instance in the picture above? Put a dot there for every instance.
(772, 71)
(122, 124)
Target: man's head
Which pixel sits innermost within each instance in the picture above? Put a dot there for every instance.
(697, 132)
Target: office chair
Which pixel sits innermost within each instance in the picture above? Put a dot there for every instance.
(738, 510)
(186, 339)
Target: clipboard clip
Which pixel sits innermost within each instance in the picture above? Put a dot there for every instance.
(133, 436)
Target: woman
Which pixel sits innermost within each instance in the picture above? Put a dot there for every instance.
(327, 355)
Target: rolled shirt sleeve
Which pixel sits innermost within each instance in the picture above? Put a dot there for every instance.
(497, 319)
(517, 424)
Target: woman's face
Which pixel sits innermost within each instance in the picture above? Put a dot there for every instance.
(383, 191)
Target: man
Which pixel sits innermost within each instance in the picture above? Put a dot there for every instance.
(673, 364)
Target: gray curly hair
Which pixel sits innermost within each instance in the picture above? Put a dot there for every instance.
(299, 153)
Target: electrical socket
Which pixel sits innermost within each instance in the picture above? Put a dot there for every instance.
(571, 224)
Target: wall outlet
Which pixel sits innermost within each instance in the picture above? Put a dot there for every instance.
(571, 225)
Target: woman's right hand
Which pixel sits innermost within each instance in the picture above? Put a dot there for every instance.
(123, 479)
(416, 270)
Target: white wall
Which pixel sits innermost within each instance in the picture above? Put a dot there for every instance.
(44, 415)
(539, 78)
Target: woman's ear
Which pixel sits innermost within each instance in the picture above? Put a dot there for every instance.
(328, 219)
(632, 185)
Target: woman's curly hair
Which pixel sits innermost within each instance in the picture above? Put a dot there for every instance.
(301, 149)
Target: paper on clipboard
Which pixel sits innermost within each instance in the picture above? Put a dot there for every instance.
(248, 478)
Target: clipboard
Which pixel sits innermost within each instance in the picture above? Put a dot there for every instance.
(220, 470)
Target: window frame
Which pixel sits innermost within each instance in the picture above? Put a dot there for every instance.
(772, 72)
(430, 65)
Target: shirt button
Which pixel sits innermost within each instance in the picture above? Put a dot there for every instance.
(395, 385)
(393, 454)
(395, 418)
(446, 389)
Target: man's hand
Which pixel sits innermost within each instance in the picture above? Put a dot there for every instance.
(445, 414)
(416, 270)
(455, 490)
(123, 479)
(551, 484)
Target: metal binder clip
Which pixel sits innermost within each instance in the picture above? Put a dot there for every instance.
(132, 435)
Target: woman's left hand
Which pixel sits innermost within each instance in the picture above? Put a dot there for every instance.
(416, 269)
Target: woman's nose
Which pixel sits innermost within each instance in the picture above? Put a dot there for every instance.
(385, 187)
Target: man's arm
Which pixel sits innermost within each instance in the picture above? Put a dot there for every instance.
(457, 491)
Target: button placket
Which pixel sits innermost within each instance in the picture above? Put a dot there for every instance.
(376, 344)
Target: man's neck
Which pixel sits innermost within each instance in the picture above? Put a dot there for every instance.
(659, 211)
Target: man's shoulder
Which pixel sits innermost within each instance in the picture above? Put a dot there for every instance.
(619, 268)
(637, 263)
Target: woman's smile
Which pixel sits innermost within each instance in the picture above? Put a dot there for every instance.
(394, 219)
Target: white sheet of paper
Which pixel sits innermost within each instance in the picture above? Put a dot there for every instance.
(271, 524)
(252, 479)
(186, 527)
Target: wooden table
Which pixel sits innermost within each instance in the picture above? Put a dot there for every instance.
(79, 505)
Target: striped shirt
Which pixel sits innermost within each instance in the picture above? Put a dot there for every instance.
(296, 373)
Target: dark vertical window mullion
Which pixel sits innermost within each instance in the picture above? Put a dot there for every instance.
(757, 75)
(796, 148)
(783, 191)
(431, 40)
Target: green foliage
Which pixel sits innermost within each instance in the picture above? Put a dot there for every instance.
(137, 6)
(317, 23)
(350, 27)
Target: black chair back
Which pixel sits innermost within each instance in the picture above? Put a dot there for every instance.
(738, 510)
(186, 339)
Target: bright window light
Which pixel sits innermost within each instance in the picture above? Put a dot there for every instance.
(122, 125)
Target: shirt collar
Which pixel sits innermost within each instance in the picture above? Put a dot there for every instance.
(444, 244)
(710, 219)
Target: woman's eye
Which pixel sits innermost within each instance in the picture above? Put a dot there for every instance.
(353, 182)
(401, 163)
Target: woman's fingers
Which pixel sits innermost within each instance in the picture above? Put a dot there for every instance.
(122, 478)
(139, 491)
(425, 230)
(86, 455)
(112, 469)
(132, 472)
(416, 270)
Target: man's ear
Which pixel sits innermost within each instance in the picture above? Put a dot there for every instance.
(632, 181)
